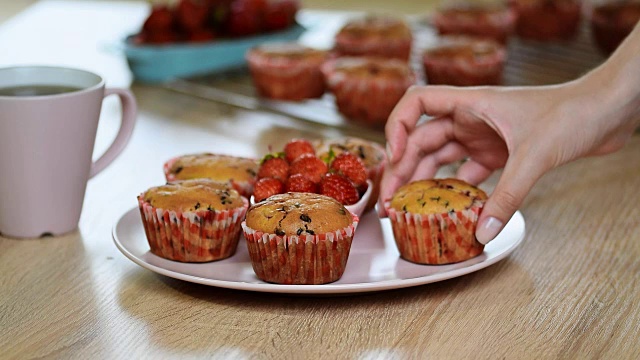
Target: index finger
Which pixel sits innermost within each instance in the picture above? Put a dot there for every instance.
(432, 100)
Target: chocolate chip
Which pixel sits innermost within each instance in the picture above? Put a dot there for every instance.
(178, 169)
(305, 218)
(280, 232)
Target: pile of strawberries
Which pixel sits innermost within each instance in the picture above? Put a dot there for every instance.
(207, 20)
(298, 169)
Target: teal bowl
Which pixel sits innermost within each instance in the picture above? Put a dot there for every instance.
(160, 63)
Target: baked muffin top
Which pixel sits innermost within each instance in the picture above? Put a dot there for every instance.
(289, 51)
(436, 196)
(371, 153)
(472, 10)
(376, 26)
(192, 195)
(463, 47)
(370, 68)
(215, 167)
(298, 214)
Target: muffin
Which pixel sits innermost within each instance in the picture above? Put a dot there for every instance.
(367, 89)
(612, 21)
(192, 220)
(492, 21)
(371, 153)
(287, 71)
(464, 61)
(547, 20)
(434, 221)
(299, 238)
(375, 35)
(238, 171)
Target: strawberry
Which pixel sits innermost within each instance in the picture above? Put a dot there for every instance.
(266, 187)
(310, 166)
(297, 147)
(300, 183)
(191, 15)
(350, 166)
(274, 167)
(245, 17)
(159, 20)
(280, 14)
(161, 37)
(339, 188)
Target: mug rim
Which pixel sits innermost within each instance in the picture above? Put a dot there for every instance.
(99, 84)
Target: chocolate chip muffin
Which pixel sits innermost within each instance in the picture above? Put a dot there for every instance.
(195, 220)
(299, 238)
(434, 221)
(238, 171)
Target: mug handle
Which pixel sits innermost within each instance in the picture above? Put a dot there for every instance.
(129, 110)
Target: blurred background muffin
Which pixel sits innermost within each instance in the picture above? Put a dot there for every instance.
(464, 61)
(366, 89)
(299, 238)
(375, 35)
(547, 20)
(611, 21)
(492, 20)
(238, 171)
(287, 71)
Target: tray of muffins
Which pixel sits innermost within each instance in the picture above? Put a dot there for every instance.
(353, 80)
(303, 221)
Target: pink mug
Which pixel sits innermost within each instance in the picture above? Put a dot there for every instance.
(48, 122)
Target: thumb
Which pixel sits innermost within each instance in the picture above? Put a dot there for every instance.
(517, 179)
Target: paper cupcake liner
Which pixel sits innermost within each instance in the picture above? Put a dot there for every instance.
(192, 236)
(399, 48)
(369, 101)
(286, 79)
(436, 239)
(300, 260)
(245, 188)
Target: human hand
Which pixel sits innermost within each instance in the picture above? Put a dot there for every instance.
(526, 131)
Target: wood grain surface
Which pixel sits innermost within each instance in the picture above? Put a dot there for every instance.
(571, 290)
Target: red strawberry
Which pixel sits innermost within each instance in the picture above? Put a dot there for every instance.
(191, 15)
(280, 14)
(309, 166)
(339, 188)
(350, 166)
(160, 20)
(245, 17)
(274, 167)
(266, 187)
(297, 147)
(161, 37)
(300, 183)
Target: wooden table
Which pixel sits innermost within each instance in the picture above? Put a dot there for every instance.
(571, 290)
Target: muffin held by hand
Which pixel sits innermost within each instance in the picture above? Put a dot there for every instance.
(492, 21)
(464, 61)
(287, 71)
(299, 238)
(434, 221)
(192, 220)
(366, 89)
(238, 171)
(375, 35)
(371, 153)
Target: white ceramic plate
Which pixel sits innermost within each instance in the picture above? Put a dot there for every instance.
(374, 263)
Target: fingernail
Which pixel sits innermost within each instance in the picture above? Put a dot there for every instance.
(389, 153)
(488, 230)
